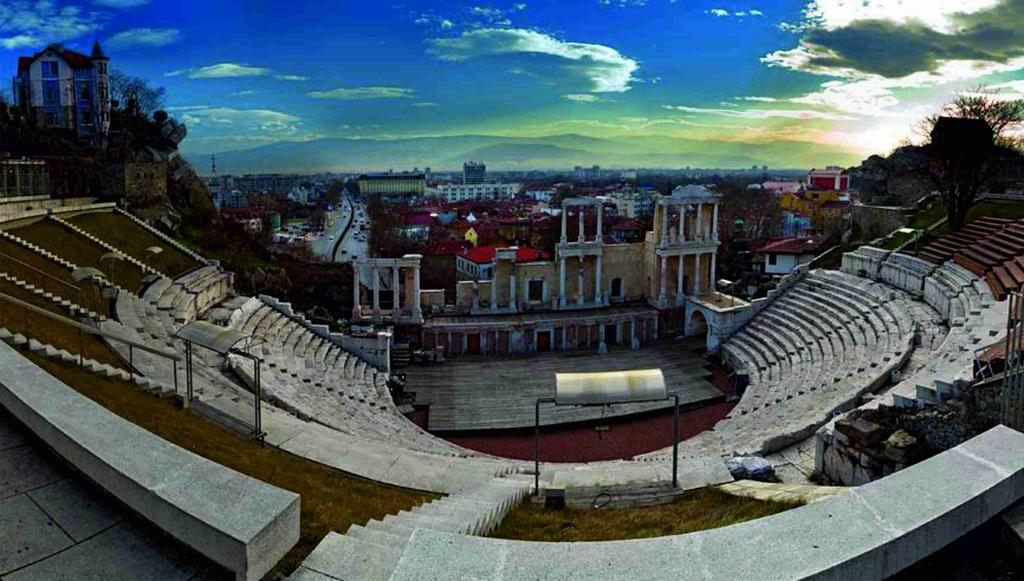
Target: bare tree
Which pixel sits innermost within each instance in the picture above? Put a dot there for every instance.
(969, 142)
(135, 91)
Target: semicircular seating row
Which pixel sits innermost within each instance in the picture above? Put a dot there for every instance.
(817, 348)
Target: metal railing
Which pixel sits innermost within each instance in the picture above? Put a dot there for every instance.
(83, 328)
(1012, 393)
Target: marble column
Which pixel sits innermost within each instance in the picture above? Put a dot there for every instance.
(376, 290)
(696, 274)
(579, 285)
(664, 223)
(565, 213)
(682, 223)
(597, 280)
(512, 289)
(579, 212)
(714, 223)
(356, 311)
(663, 281)
(417, 311)
(600, 219)
(699, 234)
(494, 285)
(396, 301)
(561, 281)
(714, 260)
(680, 276)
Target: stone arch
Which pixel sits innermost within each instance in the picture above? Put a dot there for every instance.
(696, 324)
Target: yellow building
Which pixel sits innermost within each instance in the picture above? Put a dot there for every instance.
(823, 206)
(472, 237)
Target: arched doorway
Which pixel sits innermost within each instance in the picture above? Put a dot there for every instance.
(697, 325)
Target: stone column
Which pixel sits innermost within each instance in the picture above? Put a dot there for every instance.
(561, 281)
(579, 285)
(597, 280)
(699, 234)
(600, 226)
(417, 311)
(512, 289)
(579, 212)
(356, 311)
(714, 223)
(565, 213)
(602, 347)
(396, 302)
(682, 223)
(634, 343)
(663, 281)
(696, 277)
(680, 275)
(665, 222)
(376, 292)
(714, 259)
(494, 285)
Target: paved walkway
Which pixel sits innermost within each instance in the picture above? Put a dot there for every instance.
(805, 493)
(53, 525)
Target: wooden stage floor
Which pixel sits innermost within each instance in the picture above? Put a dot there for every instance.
(491, 392)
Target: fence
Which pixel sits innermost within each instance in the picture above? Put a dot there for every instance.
(1012, 396)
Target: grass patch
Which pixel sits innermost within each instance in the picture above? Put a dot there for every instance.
(331, 499)
(123, 233)
(698, 510)
(896, 239)
(80, 251)
(33, 325)
(23, 263)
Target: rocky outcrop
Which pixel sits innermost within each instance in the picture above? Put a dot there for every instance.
(901, 179)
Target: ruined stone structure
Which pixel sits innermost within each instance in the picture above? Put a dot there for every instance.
(595, 294)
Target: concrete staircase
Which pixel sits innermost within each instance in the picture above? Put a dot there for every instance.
(372, 551)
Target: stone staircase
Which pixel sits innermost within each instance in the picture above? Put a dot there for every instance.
(74, 308)
(144, 383)
(372, 551)
(177, 245)
(127, 257)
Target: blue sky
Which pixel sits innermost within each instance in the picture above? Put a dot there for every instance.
(857, 74)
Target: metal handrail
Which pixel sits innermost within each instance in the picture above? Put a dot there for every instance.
(38, 271)
(89, 329)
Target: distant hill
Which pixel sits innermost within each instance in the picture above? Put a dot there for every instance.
(503, 153)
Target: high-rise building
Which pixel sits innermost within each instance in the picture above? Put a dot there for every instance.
(64, 88)
(474, 173)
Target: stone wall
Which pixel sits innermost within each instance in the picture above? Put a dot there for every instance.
(871, 443)
(876, 221)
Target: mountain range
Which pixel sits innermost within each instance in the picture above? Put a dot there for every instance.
(444, 153)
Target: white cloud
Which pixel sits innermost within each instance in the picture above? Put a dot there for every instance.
(935, 14)
(606, 69)
(222, 70)
(581, 98)
(722, 13)
(761, 113)
(362, 93)
(424, 104)
(264, 120)
(144, 37)
(244, 93)
(24, 23)
(447, 24)
(291, 78)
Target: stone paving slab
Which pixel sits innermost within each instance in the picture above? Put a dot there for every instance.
(78, 510)
(22, 469)
(122, 552)
(27, 534)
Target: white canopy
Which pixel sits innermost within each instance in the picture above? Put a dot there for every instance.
(609, 387)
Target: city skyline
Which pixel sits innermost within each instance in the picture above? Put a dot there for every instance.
(854, 78)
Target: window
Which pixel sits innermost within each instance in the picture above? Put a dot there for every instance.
(616, 288)
(51, 93)
(773, 259)
(49, 69)
(535, 290)
(84, 91)
(101, 68)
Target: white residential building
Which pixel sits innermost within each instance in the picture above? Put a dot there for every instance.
(463, 192)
